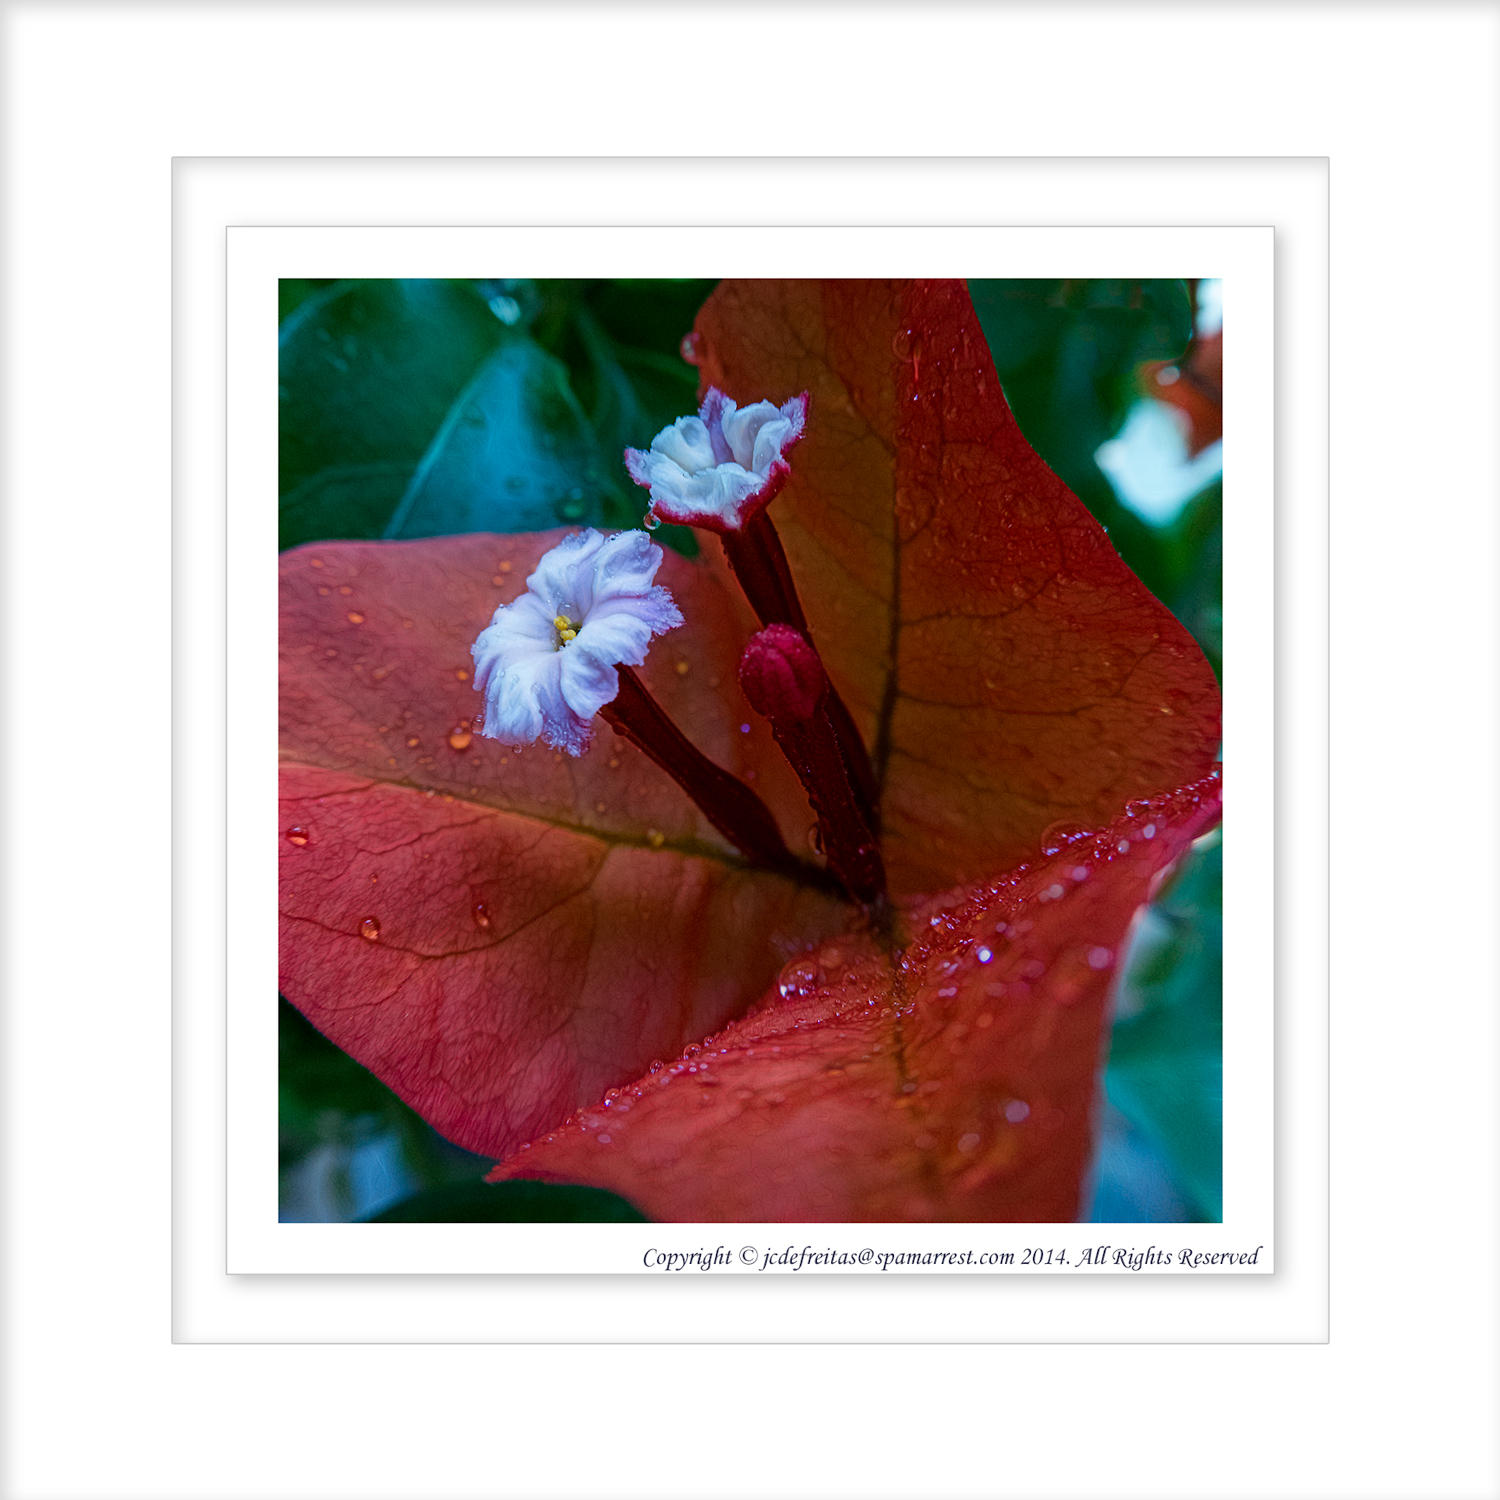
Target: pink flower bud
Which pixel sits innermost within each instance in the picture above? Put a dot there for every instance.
(782, 675)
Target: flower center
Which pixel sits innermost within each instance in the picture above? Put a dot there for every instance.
(565, 628)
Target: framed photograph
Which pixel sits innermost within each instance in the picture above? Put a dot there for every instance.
(411, 322)
(805, 892)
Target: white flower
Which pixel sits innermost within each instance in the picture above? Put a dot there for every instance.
(717, 469)
(546, 663)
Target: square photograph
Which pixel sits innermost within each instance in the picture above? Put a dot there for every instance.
(750, 751)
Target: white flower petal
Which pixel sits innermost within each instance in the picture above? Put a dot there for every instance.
(566, 571)
(709, 470)
(536, 684)
(519, 630)
(525, 701)
(624, 566)
(685, 443)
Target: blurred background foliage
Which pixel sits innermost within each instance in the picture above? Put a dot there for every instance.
(422, 408)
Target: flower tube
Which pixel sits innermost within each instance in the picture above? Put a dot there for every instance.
(718, 471)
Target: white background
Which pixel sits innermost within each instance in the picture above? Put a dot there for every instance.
(210, 194)
(1399, 1402)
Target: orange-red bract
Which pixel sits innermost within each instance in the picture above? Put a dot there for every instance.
(544, 929)
(952, 1080)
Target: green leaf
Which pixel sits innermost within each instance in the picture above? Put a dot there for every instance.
(1067, 353)
(368, 373)
(514, 453)
(1165, 1070)
(511, 1203)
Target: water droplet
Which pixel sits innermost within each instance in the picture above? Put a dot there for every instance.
(815, 838)
(907, 344)
(983, 955)
(688, 348)
(1060, 835)
(345, 589)
(482, 916)
(969, 1142)
(369, 929)
(354, 617)
(407, 624)
(460, 738)
(799, 979)
(682, 669)
(1017, 1110)
(297, 836)
(744, 729)
(604, 1139)
(1123, 847)
(1149, 831)
(315, 562)
(655, 837)
(462, 673)
(571, 507)
(651, 520)
(325, 590)
(1099, 958)
(412, 742)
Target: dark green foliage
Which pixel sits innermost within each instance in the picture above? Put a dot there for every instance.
(1166, 1070)
(511, 1203)
(424, 408)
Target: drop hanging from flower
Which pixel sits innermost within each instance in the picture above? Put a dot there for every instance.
(561, 653)
(719, 471)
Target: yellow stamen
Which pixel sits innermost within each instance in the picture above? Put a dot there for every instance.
(566, 630)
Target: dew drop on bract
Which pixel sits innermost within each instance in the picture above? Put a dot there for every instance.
(297, 836)
(412, 741)
(354, 617)
(689, 346)
(1060, 835)
(460, 738)
(907, 344)
(481, 916)
(651, 520)
(462, 673)
(369, 929)
(655, 837)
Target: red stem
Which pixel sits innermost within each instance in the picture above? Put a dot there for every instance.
(758, 561)
(726, 801)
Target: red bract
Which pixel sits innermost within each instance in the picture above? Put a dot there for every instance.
(951, 1080)
(502, 938)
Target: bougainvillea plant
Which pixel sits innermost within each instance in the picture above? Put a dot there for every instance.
(785, 883)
